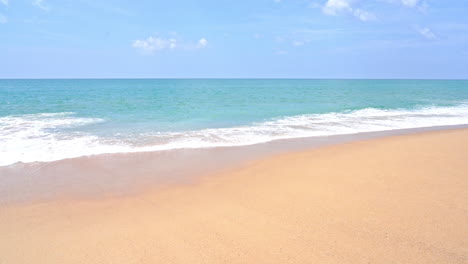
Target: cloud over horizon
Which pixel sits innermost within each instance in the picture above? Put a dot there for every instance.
(151, 45)
(337, 7)
(40, 4)
(288, 38)
(427, 33)
(410, 3)
(202, 43)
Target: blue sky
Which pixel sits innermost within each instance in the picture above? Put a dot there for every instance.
(234, 39)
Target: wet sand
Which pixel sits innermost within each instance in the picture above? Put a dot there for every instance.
(111, 175)
(399, 199)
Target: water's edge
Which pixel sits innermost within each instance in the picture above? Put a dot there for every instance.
(56, 136)
(127, 173)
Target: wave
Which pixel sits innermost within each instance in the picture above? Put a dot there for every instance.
(310, 125)
(55, 136)
(36, 137)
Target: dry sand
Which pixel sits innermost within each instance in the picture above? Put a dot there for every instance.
(401, 199)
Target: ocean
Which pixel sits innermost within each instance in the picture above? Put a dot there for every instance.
(46, 120)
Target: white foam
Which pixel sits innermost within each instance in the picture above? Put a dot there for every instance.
(34, 137)
(29, 138)
(348, 122)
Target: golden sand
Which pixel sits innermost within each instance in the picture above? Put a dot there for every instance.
(401, 199)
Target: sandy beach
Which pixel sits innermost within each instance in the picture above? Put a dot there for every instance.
(399, 199)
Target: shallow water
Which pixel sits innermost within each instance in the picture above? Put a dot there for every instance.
(46, 120)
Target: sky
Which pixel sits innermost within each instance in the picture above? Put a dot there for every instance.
(234, 39)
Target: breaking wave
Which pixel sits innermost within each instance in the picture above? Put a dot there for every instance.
(55, 136)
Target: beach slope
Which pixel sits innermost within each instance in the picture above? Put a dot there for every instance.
(401, 199)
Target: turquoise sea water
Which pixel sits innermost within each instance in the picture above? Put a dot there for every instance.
(43, 120)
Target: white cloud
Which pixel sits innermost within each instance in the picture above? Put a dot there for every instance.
(202, 43)
(427, 33)
(420, 5)
(363, 15)
(3, 19)
(333, 7)
(5, 2)
(336, 7)
(40, 4)
(410, 3)
(151, 45)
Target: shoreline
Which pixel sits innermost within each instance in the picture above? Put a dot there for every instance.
(122, 174)
(399, 199)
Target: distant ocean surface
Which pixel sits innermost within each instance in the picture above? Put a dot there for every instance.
(45, 120)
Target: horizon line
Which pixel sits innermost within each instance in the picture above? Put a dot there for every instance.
(226, 78)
